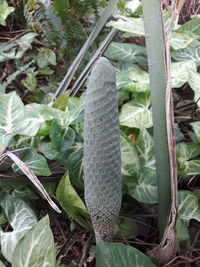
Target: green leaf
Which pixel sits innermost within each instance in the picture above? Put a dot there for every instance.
(181, 72)
(125, 52)
(61, 101)
(130, 25)
(45, 71)
(30, 82)
(180, 40)
(145, 189)
(145, 148)
(10, 78)
(135, 115)
(16, 50)
(71, 202)
(72, 159)
(196, 128)
(45, 57)
(36, 248)
(135, 80)
(185, 155)
(50, 152)
(129, 159)
(5, 10)
(7, 51)
(125, 228)
(191, 52)
(24, 43)
(190, 26)
(36, 162)
(120, 255)
(178, 134)
(35, 115)
(21, 217)
(61, 137)
(194, 82)
(188, 209)
(11, 112)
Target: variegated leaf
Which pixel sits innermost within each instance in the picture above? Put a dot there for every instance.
(186, 154)
(36, 162)
(181, 72)
(191, 52)
(136, 80)
(36, 248)
(129, 160)
(130, 25)
(194, 82)
(21, 218)
(180, 40)
(5, 10)
(11, 112)
(145, 189)
(135, 115)
(125, 52)
(145, 148)
(196, 128)
(188, 209)
(120, 255)
(192, 26)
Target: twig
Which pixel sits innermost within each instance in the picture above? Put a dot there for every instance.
(85, 249)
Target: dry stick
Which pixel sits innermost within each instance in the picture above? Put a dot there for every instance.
(85, 249)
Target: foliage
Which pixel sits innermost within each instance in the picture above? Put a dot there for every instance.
(47, 133)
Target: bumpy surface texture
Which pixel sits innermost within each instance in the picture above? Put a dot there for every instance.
(102, 150)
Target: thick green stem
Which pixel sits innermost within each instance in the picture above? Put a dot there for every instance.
(156, 52)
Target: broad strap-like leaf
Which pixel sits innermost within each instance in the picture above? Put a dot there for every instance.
(36, 162)
(27, 171)
(95, 32)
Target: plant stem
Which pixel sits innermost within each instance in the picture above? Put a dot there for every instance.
(155, 43)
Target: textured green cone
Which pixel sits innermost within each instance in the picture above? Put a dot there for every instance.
(102, 161)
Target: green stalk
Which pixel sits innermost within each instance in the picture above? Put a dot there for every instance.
(157, 63)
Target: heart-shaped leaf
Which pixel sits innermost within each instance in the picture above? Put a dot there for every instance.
(21, 218)
(120, 255)
(36, 248)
